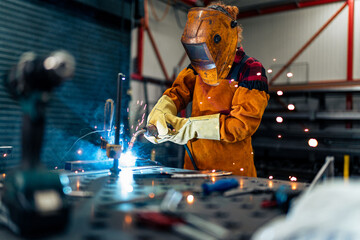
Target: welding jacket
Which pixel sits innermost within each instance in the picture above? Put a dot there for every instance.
(240, 99)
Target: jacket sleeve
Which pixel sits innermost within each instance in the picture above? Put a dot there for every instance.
(248, 104)
(181, 92)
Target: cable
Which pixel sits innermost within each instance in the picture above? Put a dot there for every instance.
(80, 139)
(191, 157)
(166, 11)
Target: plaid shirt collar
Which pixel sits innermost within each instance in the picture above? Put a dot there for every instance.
(239, 54)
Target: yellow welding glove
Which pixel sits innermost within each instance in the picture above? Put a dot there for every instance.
(185, 129)
(165, 106)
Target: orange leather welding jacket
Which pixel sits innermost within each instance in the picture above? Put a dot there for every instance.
(241, 103)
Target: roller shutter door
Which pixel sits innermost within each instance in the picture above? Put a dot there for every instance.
(101, 50)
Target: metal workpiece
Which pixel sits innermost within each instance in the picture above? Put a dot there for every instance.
(107, 207)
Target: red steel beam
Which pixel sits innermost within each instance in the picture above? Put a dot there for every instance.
(350, 48)
(307, 44)
(136, 76)
(350, 56)
(152, 80)
(284, 7)
(311, 3)
(280, 8)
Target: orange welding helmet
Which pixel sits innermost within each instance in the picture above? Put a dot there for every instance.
(210, 39)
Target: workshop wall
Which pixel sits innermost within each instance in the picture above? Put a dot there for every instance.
(100, 44)
(279, 36)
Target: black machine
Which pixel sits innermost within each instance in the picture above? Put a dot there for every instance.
(33, 200)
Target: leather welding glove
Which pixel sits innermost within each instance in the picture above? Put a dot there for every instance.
(185, 129)
(165, 106)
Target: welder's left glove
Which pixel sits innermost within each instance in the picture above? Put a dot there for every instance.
(185, 129)
(165, 106)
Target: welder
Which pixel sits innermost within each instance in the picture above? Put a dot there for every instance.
(228, 91)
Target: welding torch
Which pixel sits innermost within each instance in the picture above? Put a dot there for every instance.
(150, 130)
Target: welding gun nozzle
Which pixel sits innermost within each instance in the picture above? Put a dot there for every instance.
(151, 131)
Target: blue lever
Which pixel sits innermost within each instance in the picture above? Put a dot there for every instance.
(220, 185)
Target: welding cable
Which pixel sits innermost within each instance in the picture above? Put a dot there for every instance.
(191, 157)
(97, 131)
(166, 11)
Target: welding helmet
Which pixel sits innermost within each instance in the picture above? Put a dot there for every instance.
(210, 39)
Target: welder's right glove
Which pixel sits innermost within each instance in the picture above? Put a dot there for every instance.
(157, 118)
(185, 129)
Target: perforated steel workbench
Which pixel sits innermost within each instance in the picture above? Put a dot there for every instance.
(105, 207)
